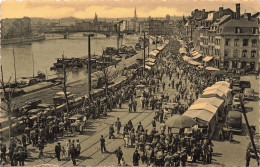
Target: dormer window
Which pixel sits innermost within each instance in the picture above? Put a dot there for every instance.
(237, 30)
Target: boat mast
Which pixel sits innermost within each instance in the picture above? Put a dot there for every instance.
(118, 37)
(33, 64)
(14, 66)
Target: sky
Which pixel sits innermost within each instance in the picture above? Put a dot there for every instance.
(117, 8)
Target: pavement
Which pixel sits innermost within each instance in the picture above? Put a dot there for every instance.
(234, 154)
(224, 153)
(90, 144)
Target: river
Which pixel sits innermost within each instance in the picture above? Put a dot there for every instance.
(45, 53)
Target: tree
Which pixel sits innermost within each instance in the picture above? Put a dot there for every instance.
(105, 72)
(64, 86)
(8, 96)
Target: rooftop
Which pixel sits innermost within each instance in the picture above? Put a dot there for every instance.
(242, 22)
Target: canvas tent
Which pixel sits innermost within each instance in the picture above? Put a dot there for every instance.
(212, 100)
(203, 117)
(216, 93)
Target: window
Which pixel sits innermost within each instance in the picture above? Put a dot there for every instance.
(245, 42)
(236, 42)
(244, 53)
(235, 53)
(227, 42)
(254, 42)
(226, 53)
(253, 53)
(217, 42)
(217, 52)
(237, 30)
(255, 30)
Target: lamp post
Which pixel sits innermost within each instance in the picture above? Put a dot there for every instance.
(144, 54)
(89, 65)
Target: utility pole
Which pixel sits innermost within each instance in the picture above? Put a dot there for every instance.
(89, 66)
(155, 41)
(144, 53)
(33, 64)
(14, 67)
(249, 130)
(148, 44)
(118, 37)
(191, 33)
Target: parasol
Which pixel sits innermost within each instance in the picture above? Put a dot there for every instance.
(180, 121)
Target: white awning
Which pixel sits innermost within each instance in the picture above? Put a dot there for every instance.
(182, 50)
(195, 53)
(207, 58)
(149, 63)
(212, 69)
(197, 56)
(212, 100)
(186, 58)
(160, 48)
(200, 114)
(147, 67)
(206, 106)
(150, 60)
(194, 63)
(154, 53)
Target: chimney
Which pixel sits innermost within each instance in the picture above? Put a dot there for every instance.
(203, 10)
(247, 16)
(221, 12)
(238, 11)
(196, 10)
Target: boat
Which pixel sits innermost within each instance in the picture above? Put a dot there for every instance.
(110, 51)
(69, 63)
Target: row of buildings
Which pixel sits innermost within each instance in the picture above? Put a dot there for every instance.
(226, 39)
(153, 26)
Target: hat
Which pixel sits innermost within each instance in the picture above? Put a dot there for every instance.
(58, 143)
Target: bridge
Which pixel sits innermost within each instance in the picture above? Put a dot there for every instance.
(106, 33)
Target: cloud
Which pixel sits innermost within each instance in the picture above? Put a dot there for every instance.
(19, 9)
(119, 8)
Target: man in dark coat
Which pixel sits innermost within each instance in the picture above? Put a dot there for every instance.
(102, 144)
(119, 155)
(73, 155)
(111, 132)
(58, 150)
(118, 125)
(136, 157)
(24, 140)
(248, 156)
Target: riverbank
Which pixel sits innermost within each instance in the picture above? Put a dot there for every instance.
(22, 40)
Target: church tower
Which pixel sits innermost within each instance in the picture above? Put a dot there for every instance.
(135, 21)
(95, 21)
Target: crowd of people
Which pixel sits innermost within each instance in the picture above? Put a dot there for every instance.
(157, 147)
